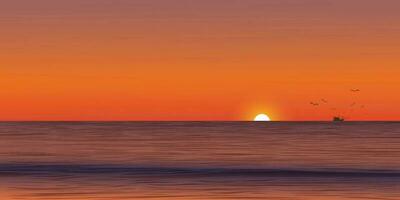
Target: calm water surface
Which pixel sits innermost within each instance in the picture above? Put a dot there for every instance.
(200, 160)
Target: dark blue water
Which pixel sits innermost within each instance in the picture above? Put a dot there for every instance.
(200, 160)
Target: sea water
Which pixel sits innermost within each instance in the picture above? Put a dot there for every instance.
(199, 160)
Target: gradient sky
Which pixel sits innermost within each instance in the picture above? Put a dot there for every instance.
(199, 59)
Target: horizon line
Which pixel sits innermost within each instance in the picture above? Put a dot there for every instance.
(272, 121)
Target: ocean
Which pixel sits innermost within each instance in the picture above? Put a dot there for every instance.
(199, 160)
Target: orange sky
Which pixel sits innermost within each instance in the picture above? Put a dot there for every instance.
(198, 60)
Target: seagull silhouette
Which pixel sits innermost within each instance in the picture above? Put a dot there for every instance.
(314, 104)
(355, 90)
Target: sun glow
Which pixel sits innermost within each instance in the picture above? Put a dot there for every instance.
(262, 118)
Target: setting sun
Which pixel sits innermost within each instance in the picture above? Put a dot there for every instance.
(262, 118)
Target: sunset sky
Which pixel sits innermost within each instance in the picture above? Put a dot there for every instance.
(199, 59)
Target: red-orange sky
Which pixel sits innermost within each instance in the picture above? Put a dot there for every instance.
(199, 59)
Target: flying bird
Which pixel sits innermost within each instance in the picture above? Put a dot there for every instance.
(355, 90)
(314, 104)
(323, 100)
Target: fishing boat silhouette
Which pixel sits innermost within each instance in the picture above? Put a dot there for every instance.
(338, 119)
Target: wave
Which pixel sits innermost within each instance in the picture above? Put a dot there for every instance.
(34, 169)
